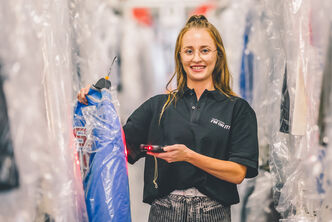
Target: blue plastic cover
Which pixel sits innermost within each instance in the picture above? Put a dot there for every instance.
(101, 149)
(247, 67)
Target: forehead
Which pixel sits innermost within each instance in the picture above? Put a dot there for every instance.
(197, 37)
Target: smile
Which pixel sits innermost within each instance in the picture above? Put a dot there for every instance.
(197, 68)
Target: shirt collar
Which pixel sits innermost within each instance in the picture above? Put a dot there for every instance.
(187, 90)
(216, 94)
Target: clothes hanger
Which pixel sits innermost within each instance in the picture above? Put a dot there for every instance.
(105, 82)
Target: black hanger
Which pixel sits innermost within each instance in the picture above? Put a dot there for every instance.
(105, 82)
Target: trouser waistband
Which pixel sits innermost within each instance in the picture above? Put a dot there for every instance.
(191, 192)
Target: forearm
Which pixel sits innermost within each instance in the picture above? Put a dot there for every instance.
(225, 170)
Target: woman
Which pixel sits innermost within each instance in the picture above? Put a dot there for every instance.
(208, 134)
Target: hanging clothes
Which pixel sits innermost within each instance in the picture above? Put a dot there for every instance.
(141, 78)
(299, 120)
(247, 70)
(99, 133)
(9, 177)
(325, 95)
(285, 105)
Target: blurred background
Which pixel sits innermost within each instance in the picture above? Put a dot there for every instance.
(279, 54)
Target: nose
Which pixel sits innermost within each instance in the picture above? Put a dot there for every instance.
(197, 56)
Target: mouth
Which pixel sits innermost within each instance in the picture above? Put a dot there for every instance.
(197, 68)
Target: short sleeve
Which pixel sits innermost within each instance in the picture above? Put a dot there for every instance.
(136, 130)
(243, 140)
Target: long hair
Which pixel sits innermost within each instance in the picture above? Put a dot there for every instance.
(221, 76)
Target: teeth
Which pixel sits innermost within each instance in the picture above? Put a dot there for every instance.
(197, 67)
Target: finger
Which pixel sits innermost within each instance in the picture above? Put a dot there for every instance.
(163, 156)
(170, 148)
(85, 101)
(79, 97)
(82, 99)
(80, 94)
(86, 89)
(84, 93)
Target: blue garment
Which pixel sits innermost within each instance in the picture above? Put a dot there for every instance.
(106, 182)
(247, 66)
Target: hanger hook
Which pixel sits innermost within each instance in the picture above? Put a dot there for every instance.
(115, 58)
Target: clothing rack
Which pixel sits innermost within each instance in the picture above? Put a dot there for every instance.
(157, 7)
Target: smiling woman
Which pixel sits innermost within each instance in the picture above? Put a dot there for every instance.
(208, 134)
(208, 40)
(198, 57)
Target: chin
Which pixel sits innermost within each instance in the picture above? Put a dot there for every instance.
(198, 76)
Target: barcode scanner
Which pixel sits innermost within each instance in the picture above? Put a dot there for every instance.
(152, 148)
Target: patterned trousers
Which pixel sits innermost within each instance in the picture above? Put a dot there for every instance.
(179, 208)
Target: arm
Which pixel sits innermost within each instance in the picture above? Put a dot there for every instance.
(225, 170)
(136, 131)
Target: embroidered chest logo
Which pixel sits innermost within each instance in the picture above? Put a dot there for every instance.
(220, 123)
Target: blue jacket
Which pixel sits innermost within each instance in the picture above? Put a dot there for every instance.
(106, 185)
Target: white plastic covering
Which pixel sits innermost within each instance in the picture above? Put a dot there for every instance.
(96, 40)
(99, 141)
(288, 41)
(231, 28)
(35, 53)
(296, 158)
(143, 66)
(49, 49)
(288, 38)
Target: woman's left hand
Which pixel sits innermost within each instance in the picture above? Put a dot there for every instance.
(174, 153)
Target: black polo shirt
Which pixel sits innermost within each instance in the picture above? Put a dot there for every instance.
(215, 126)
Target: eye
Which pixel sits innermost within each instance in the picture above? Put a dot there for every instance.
(205, 51)
(188, 51)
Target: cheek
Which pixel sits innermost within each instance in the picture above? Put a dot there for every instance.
(181, 61)
(213, 62)
(185, 65)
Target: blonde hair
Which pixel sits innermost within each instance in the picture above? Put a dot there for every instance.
(220, 75)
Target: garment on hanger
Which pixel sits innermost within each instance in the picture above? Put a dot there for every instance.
(9, 178)
(325, 95)
(247, 70)
(140, 78)
(99, 137)
(285, 105)
(261, 192)
(299, 117)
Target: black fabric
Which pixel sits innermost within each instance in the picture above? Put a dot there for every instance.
(8, 171)
(325, 97)
(215, 126)
(285, 105)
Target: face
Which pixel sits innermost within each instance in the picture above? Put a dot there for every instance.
(198, 55)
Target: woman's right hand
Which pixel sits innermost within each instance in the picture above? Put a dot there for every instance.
(82, 93)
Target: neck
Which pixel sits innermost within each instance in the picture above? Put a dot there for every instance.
(200, 87)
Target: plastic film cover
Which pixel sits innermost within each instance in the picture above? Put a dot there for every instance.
(96, 38)
(37, 66)
(296, 160)
(8, 171)
(103, 162)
